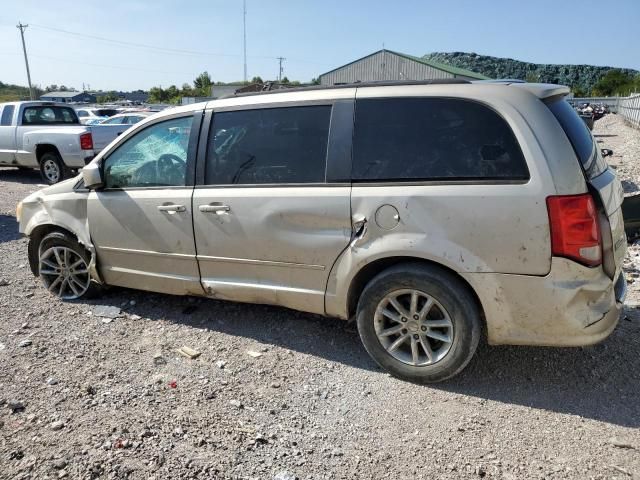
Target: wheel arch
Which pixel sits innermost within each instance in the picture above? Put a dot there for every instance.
(43, 148)
(40, 231)
(35, 237)
(370, 270)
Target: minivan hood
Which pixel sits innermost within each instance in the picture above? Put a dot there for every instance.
(65, 186)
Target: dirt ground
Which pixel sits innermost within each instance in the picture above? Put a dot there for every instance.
(281, 395)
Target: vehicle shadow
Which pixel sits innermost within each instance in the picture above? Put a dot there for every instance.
(8, 228)
(27, 177)
(629, 186)
(599, 382)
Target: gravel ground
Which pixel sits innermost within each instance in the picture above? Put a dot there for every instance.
(277, 394)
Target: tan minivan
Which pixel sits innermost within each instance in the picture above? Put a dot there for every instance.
(431, 212)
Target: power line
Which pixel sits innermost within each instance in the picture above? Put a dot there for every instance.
(22, 28)
(175, 51)
(102, 65)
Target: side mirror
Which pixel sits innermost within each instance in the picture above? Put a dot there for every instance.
(606, 152)
(92, 176)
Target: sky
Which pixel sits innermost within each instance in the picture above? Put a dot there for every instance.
(135, 44)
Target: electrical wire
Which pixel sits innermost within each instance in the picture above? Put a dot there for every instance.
(174, 51)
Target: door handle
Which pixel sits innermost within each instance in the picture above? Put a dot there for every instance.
(217, 209)
(172, 208)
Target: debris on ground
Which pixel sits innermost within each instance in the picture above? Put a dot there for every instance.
(15, 406)
(106, 311)
(57, 425)
(189, 352)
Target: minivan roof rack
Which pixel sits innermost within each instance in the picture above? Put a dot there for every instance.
(381, 83)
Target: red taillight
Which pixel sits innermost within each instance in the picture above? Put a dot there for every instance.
(575, 232)
(86, 141)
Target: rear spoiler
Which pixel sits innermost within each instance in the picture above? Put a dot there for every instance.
(547, 92)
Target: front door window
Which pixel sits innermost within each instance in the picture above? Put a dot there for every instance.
(154, 157)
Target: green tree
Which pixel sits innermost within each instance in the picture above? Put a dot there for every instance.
(532, 77)
(614, 82)
(257, 80)
(202, 84)
(187, 90)
(579, 92)
(284, 81)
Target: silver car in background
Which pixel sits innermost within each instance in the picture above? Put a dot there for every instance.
(432, 213)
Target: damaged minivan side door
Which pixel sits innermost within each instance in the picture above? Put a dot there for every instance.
(140, 220)
(272, 201)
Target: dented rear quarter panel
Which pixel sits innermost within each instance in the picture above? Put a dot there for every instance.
(472, 228)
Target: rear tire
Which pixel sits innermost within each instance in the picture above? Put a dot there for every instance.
(419, 323)
(53, 169)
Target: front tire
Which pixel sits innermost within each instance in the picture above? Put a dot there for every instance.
(52, 168)
(419, 323)
(63, 267)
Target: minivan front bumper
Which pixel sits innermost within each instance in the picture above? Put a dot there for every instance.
(571, 306)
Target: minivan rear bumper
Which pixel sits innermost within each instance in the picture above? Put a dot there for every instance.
(571, 306)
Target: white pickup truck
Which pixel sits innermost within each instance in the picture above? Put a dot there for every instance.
(49, 136)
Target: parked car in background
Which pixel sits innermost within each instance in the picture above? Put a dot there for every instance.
(429, 213)
(126, 118)
(49, 136)
(91, 116)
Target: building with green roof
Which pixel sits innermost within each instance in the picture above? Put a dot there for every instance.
(387, 65)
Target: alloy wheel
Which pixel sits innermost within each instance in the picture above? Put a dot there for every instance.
(64, 272)
(413, 327)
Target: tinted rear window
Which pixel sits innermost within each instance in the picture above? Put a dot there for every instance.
(47, 115)
(575, 128)
(7, 115)
(275, 145)
(404, 139)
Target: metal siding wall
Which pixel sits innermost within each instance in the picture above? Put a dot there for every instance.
(629, 109)
(383, 66)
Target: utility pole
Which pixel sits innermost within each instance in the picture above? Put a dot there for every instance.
(280, 60)
(244, 34)
(22, 28)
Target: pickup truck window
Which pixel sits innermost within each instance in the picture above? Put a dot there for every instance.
(7, 115)
(45, 115)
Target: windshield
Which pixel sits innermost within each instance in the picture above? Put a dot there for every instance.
(580, 137)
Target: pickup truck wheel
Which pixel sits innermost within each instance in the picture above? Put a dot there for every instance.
(52, 168)
(63, 266)
(419, 323)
